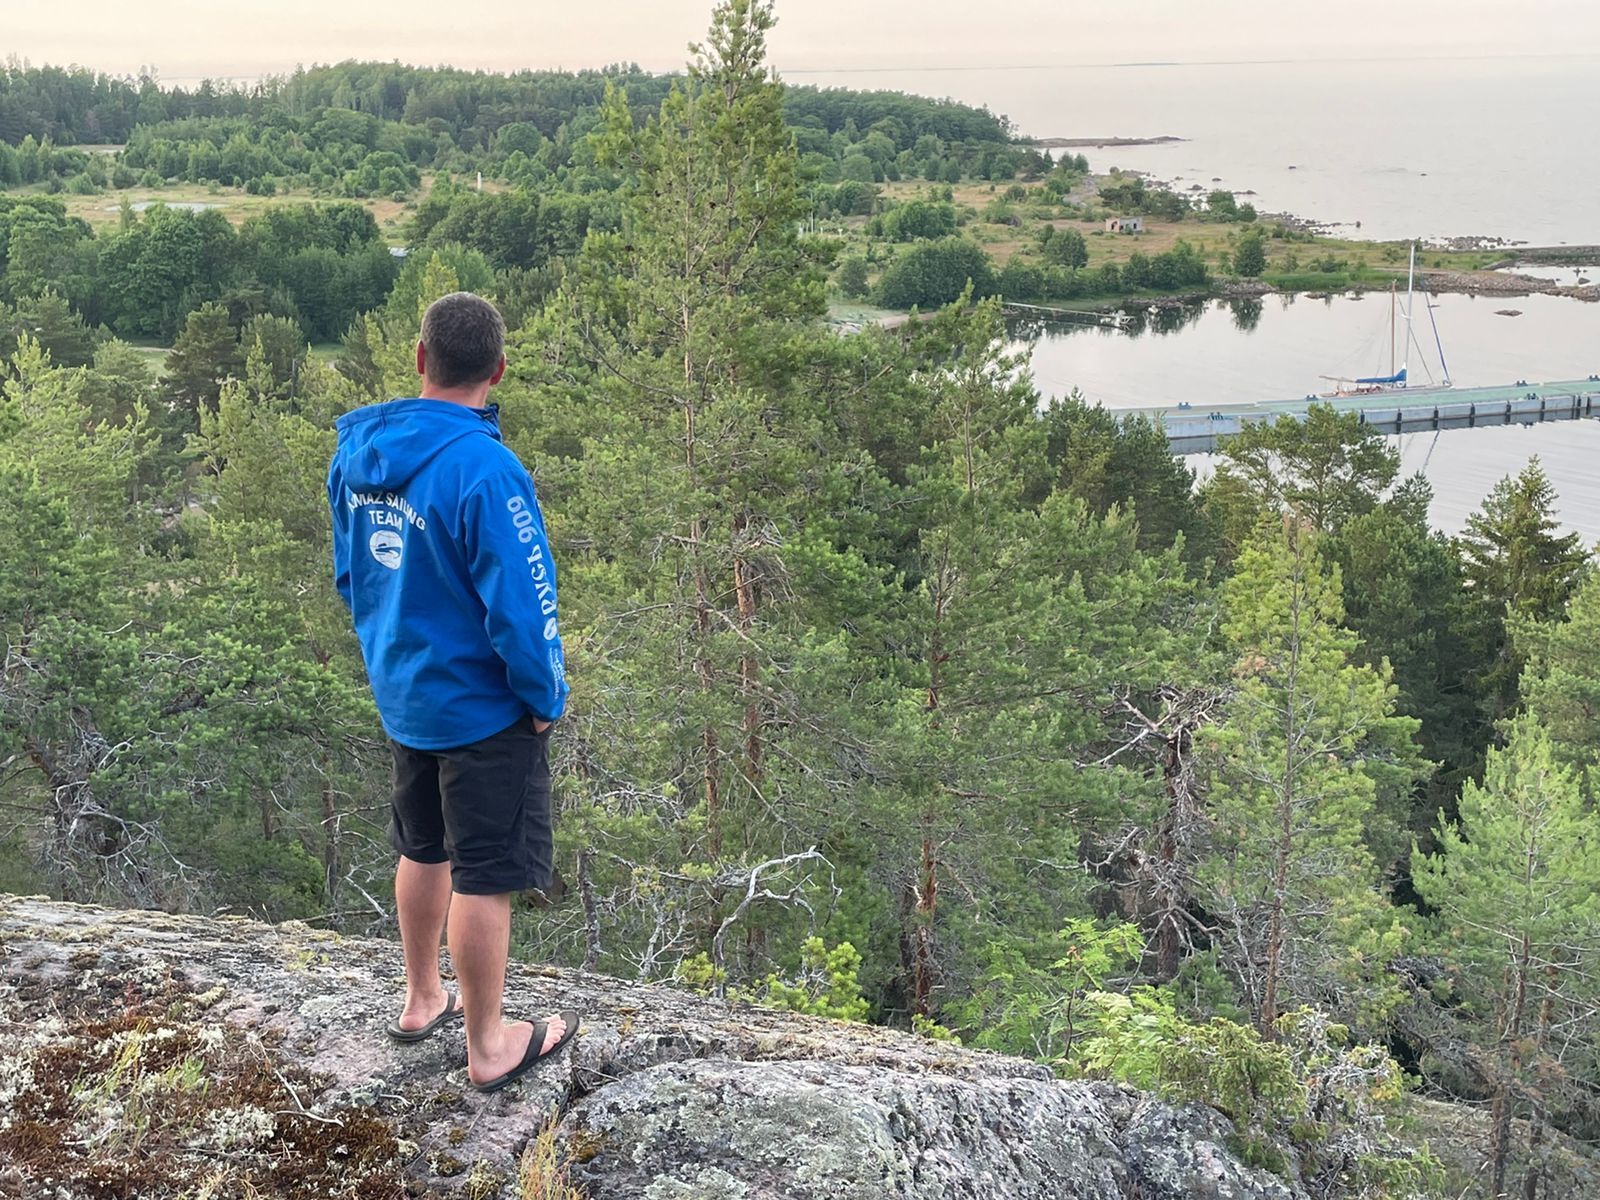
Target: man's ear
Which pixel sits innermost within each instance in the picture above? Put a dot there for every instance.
(422, 359)
(498, 371)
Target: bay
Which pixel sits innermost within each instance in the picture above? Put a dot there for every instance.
(1409, 148)
(1280, 346)
(1392, 148)
(1219, 351)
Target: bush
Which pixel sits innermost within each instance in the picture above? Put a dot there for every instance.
(1250, 259)
(861, 169)
(933, 273)
(1066, 248)
(1019, 280)
(854, 197)
(1001, 212)
(852, 278)
(918, 219)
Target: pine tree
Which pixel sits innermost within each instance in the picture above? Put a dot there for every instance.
(970, 595)
(697, 489)
(205, 355)
(710, 263)
(1518, 567)
(262, 643)
(1561, 685)
(1289, 870)
(1129, 464)
(51, 322)
(1326, 469)
(1404, 597)
(1025, 626)
(74, 607)
(1516, 889)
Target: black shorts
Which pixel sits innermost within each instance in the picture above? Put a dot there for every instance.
(484, 808)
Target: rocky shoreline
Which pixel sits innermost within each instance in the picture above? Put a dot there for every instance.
(1079, 143)
(1495, 283)
(1467, 283)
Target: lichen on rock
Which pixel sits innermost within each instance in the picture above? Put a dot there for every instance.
(663, 1095)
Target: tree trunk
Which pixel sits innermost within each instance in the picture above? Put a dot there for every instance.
(1541, 1100)
(927, 906)
(591, 912)
(1171, 898)
(1510, 1068)
(702, 624)
(330, 849)
(749, 668)
(1277, 931)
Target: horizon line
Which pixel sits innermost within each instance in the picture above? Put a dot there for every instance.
(944, 68)
(1194, 62)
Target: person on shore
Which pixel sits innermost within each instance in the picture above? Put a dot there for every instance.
(439, 551)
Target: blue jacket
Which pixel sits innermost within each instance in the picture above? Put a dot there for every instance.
(439, 550)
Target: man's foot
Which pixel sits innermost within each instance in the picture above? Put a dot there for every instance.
(518, 1052)
(423, 1014)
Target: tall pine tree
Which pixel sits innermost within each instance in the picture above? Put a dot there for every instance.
(1516, 889)
(1518, 566)
(1294, 799)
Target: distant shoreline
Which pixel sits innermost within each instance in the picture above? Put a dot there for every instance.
(1064, 143)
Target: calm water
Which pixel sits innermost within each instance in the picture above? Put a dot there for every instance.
(1464, 465)
(1443, 148)
(1277, 348)
(1425, 149)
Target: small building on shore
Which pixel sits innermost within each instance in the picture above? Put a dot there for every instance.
(1124, 224)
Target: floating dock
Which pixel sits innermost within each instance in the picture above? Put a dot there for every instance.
(1197, 429)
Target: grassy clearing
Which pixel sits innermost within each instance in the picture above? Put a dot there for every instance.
(155, 356)
(849, 312)
(105, 210)
(1359, 263)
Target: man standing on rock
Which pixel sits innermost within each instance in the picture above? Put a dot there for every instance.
(439, 550)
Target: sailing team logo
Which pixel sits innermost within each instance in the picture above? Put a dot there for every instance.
(385, 545)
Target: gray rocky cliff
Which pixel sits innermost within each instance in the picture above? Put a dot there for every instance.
(663, 1095)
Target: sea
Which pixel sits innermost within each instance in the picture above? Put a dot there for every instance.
(1416, 148)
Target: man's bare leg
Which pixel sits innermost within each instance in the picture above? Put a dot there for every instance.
(480, 940)
(422, 898)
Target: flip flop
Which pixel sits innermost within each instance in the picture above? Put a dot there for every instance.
(535, 1053)
(450, 1013)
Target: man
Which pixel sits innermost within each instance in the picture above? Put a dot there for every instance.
(439, 550)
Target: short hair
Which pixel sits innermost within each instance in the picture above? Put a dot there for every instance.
(464, 337)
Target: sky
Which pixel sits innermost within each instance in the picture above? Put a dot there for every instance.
(188, 39)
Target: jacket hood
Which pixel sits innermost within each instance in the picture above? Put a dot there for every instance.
(385, 445)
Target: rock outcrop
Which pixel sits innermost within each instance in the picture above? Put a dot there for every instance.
(663, 1095)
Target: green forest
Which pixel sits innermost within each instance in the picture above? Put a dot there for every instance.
(900, 694)
(370, 129)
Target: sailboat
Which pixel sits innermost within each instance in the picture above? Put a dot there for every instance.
(1397, 378)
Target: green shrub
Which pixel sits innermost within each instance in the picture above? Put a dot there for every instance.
(919, 219)
(932, 273)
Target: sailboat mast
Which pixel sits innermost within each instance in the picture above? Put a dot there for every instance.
(1411, 283)
(1437, 340)
(1392, 302)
